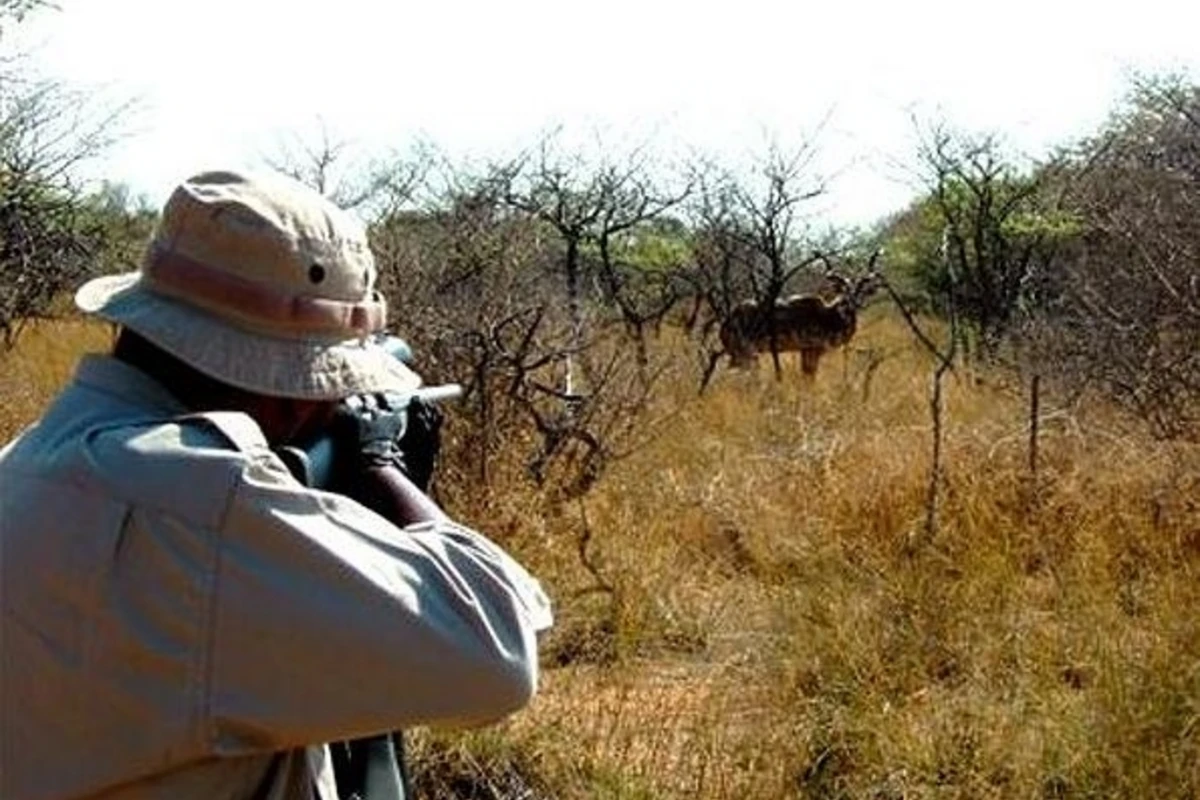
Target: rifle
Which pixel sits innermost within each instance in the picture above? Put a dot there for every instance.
(401, 426)
(315, 463)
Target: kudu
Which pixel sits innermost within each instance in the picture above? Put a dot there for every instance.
(807, 324)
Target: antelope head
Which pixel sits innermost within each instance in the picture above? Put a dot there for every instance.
(865, 286)
(841, 285)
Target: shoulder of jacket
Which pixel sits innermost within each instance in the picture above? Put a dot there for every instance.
(187, 466)
(238, 429)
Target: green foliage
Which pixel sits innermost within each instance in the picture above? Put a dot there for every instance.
(124, 224)
(52, 239)
(1049, 224)
(977, 243)
(913, 242)
(653, 246)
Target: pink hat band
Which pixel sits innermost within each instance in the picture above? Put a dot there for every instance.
(263, 307)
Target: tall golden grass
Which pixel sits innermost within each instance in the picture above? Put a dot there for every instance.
(41, 364)
(773, 622)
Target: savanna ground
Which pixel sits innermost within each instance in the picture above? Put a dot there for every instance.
(763, 616)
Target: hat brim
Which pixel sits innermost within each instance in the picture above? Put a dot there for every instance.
(309, 369)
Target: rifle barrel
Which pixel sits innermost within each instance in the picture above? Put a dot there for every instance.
(435, 394)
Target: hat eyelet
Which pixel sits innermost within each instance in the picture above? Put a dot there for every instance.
(316, 273)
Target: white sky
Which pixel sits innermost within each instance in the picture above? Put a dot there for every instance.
(220, 81)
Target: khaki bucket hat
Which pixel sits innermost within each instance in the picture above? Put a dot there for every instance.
(262, 283)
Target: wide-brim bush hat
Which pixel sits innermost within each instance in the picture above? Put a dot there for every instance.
(262, 283)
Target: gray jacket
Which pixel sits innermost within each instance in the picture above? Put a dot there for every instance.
(181, 619)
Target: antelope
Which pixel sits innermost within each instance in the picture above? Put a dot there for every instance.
(806, 324)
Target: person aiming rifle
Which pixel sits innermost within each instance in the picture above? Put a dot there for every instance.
(220, 573)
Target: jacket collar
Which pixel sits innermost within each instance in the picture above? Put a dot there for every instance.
(126, 383)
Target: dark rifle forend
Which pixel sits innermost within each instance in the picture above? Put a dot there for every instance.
(313, 463)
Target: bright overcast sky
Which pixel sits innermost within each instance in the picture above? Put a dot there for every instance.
(220, 81)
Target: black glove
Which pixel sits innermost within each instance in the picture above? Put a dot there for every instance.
(420, 442)
(381, 430)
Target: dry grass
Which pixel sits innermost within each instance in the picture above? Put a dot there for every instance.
(42, 362)
(780, 629)
(777, 629)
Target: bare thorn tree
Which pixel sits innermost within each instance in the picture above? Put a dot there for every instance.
(944, 357)
(333, 167)
(588, 205)
(998, 232)
(49, 234)
(1123, 313)
(753, 236)
(477, 278)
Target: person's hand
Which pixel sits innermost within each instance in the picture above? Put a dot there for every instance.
(385, 454)
(381, 430)
(420, 442)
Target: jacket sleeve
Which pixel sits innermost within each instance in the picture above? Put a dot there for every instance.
(329, 622)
